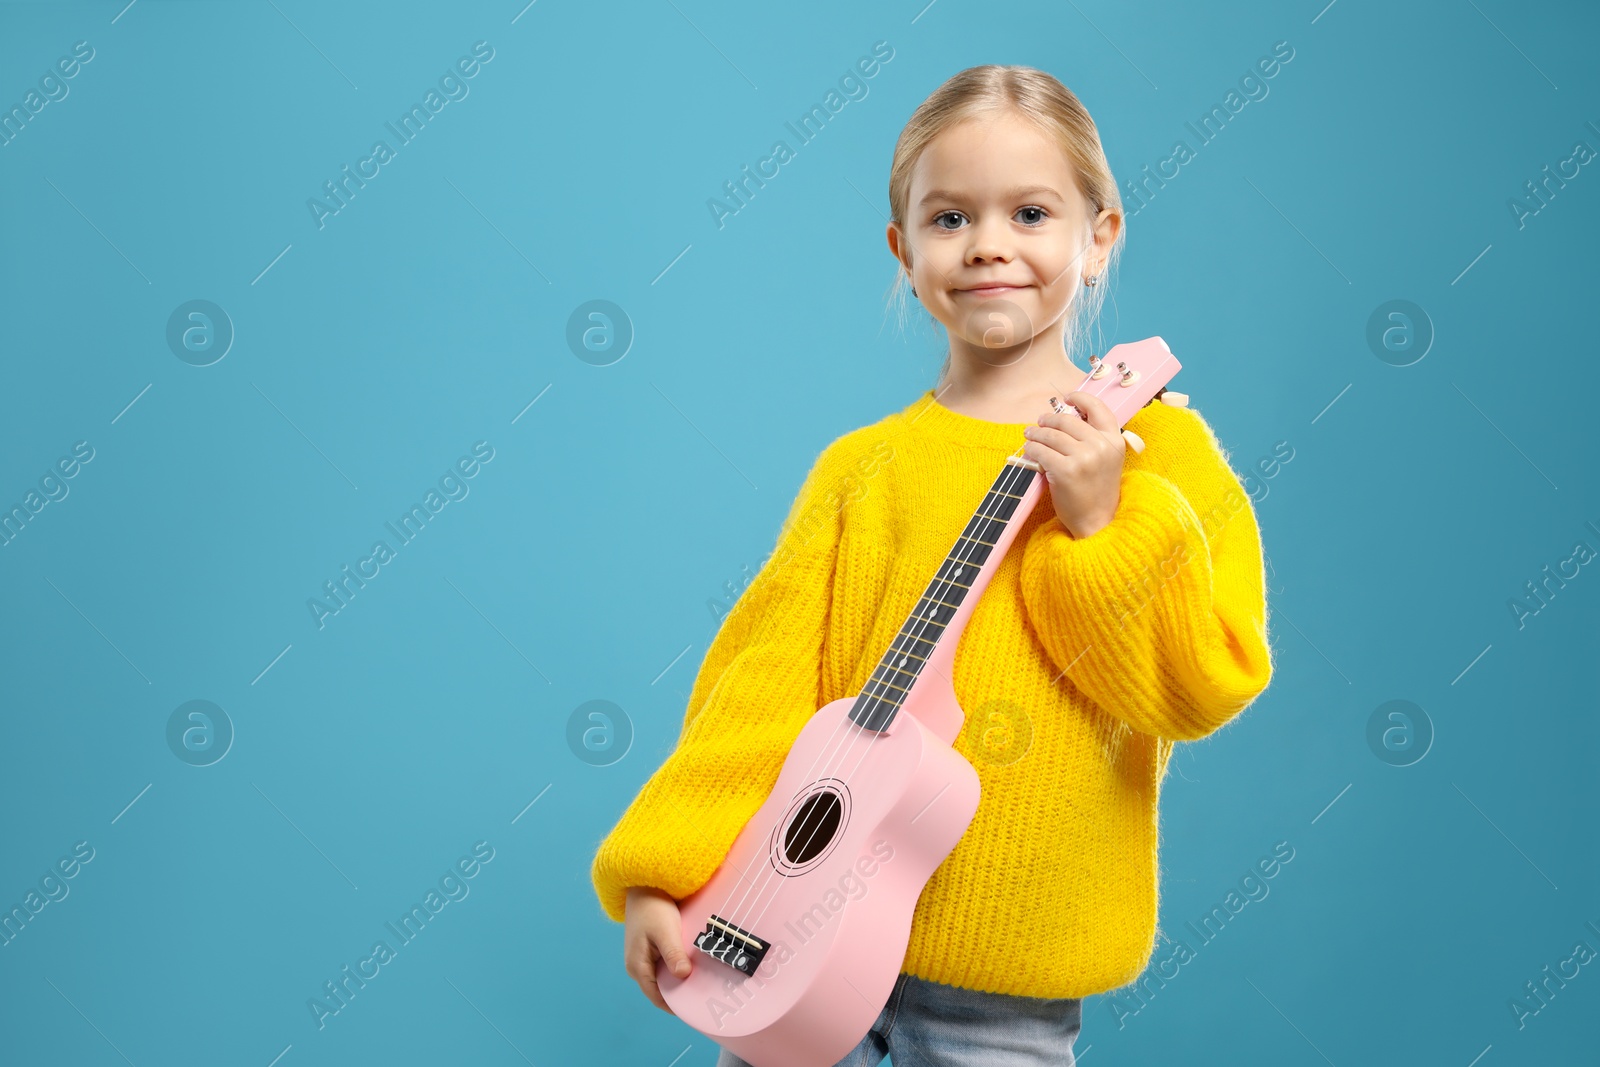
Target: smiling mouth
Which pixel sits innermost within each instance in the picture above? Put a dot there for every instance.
(992, 290)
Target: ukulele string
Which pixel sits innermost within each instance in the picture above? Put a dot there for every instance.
(1013, 474)
(760, 887)
(825, 754)
(1011, 483)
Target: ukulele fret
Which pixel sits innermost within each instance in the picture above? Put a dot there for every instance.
(897, 649)
(876, 681)
(940, 601)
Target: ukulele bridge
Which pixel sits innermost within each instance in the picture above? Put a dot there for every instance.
(738, 948)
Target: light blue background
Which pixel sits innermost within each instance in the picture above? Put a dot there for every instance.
(426, 315)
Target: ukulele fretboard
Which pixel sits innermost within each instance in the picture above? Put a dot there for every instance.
(891, 682)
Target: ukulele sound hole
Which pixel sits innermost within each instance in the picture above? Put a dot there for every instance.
(814, 826)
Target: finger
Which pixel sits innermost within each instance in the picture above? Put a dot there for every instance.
(642, 969)
(1072, 425)
(1054, 465)
(1058, 440)
(1098, 411)
(672, 952)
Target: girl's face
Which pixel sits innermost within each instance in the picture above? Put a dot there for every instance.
(997, 237)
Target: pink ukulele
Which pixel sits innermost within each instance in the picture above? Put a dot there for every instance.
(801, 931)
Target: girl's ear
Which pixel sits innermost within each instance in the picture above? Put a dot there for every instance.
(1105, 227)
(899, 247)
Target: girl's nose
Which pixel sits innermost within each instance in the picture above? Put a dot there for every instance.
(989, 241)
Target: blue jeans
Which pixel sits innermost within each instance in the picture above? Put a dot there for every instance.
(930, 1024)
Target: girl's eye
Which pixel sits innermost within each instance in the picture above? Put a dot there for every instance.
(1035, 217)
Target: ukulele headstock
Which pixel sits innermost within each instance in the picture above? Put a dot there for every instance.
(1127, 378)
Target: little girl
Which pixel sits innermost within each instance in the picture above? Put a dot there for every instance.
(1129, 613)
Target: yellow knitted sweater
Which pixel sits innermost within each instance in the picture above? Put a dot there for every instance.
(1083, 661)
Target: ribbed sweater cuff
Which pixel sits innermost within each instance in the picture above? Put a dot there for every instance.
(1128, 613)
(1154, 522)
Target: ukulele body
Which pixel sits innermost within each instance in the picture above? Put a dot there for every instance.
(847, 802)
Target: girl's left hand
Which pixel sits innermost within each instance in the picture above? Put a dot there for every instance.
(1082, 463)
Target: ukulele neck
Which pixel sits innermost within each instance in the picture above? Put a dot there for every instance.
(925, 646)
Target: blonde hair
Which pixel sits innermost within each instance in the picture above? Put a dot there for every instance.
(991, 90)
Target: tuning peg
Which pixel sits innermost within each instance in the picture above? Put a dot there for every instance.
(1135, 442)
(1129, 375)
(1177, 400)
(1097, 367)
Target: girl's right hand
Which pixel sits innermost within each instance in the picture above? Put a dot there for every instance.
(652, 929)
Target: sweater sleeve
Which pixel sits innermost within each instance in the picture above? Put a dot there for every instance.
(760, 681)
(1160, 616)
